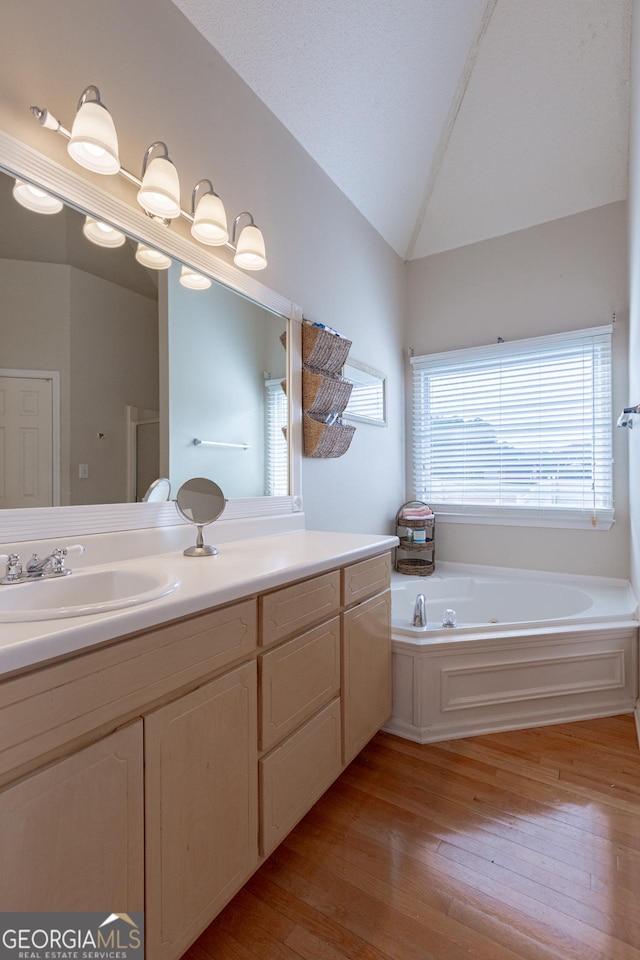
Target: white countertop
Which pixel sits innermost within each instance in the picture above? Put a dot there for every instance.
(242, 568)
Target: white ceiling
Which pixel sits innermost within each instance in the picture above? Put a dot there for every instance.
(445, 122)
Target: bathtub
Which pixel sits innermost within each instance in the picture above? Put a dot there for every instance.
(529, 648)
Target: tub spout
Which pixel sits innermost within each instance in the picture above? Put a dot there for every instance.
(420, 611)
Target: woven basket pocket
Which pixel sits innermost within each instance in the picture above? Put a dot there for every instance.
(415, 566)
(323, 350)
(324, 393)
(412, 545)
(425, 523)
(325, 440)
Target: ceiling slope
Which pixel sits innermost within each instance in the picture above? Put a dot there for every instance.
(445, 122)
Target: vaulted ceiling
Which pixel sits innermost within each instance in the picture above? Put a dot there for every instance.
(445, 122)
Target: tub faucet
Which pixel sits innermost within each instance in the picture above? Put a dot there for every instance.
(420, 611)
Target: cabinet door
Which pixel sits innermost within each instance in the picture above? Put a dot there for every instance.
(71, 835)
(366, 672)
(201, 807)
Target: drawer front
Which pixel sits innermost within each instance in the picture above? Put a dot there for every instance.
(52, 706)
(292, 609)
(296, 774)
(365, 579)
(296, 679)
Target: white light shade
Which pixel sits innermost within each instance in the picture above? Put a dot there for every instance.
(159, 193)
(151, 258)
(94, 142)
(35, 199)
(193, 280)
(250, 252)
(102, 233)
(210, 221)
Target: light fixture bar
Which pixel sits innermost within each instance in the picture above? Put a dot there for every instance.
(49, 122)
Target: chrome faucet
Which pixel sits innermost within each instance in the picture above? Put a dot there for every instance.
(420, 611)
(37, 568)
(51, 566)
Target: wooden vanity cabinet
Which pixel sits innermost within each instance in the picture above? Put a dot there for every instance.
(176, 758)
(366, 672)
(322, 694)
(366, 652)
(201, 807)
(71, 834)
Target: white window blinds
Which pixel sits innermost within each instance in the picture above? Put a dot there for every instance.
(277, 458)
(519, 431)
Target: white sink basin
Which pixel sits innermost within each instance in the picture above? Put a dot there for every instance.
(81, 593)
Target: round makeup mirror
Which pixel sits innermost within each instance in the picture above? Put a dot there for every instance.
(200, 501)
(159, 490)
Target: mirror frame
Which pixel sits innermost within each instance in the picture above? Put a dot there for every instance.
(39, 523)
(377, 375)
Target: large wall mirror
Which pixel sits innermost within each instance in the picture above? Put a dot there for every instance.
(113, 374)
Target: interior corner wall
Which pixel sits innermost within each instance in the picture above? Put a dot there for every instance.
(563, 275)
(162, 81)
(634, 291)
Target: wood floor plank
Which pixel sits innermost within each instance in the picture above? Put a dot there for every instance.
(521, 845)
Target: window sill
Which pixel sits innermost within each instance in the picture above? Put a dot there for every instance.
(560, 521)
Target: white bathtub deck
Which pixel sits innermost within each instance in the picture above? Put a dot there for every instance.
(485, 678)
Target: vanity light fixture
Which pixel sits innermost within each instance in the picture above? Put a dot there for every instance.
(159, 193)
(249, 248)
(97, 231)
(94, 142)
(153, 259)
(193, 280)
(209, 218)
(35, 199)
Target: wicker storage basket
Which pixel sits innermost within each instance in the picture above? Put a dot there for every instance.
(415, 566)
(413, 545)
(323, 350)
(324, 393)
(325, 440)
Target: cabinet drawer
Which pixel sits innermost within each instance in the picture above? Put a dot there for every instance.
(296, 679)
(44, 709)
(292, 609)
(366, 578)
(296, 774)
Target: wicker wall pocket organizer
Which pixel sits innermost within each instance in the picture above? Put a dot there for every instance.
(324, 440)
(323, 350)
(415, 528)
(325, 393)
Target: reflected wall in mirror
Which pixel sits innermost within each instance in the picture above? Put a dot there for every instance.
(110, 370)
(368, 400)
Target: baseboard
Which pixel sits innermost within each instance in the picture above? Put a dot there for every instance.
(502, 725)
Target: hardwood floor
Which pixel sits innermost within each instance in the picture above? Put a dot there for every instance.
(507, 846)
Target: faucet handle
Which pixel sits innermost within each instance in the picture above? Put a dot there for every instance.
(14, 566)
(74, 550)
(57, 557)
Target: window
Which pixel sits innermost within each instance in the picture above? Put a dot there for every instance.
(277, 458)
(517, 432)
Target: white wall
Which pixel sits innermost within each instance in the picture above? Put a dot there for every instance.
(634, 294)
(114, 364)
(220, 346)
(563, 275)
(161, 80)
